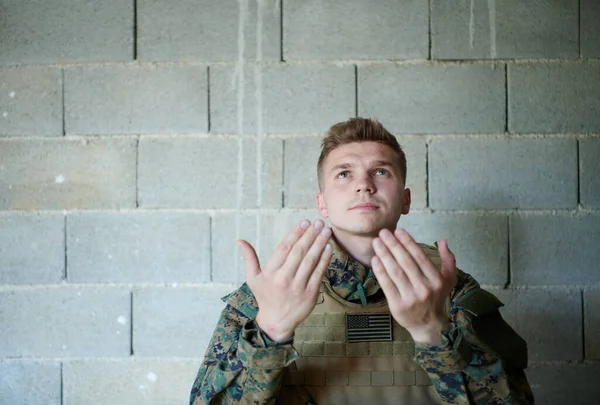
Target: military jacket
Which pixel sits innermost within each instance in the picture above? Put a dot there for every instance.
(480, 360)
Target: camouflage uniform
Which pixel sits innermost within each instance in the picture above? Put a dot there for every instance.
(480, 360)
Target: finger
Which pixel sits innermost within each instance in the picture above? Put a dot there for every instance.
(251, 262)
(448, 270)
(319, 272)
(426, 266)
(285, 246)
(312, 258)
(392, 294)
(393, 269)
(301, 248)
(404, 260)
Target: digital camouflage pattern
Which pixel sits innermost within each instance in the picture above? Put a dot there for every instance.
(350, 279)
(480, 360)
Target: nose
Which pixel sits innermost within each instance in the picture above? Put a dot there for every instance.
(365, 184)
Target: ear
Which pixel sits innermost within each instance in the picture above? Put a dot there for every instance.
(321, 206)
(406, 202)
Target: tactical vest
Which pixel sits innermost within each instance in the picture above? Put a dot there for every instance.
(354, 354)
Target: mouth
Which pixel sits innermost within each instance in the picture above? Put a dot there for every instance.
(364, 207)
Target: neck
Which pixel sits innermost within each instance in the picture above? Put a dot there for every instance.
(359, 247)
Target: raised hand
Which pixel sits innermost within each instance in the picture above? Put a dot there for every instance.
(416, 291)
(286, 288)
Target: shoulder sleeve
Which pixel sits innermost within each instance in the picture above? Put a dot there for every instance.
(482, 358)
(243, 300)
(482, 309)
(238, 367)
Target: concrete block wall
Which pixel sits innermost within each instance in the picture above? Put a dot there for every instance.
(140, 139)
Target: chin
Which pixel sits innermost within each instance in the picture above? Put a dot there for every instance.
(362, 228)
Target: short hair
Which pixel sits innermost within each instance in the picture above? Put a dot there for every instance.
(358, 130)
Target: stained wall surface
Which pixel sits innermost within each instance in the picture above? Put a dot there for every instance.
(139, 139)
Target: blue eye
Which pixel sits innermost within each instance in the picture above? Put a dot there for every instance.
(381, 172)
(342, 175)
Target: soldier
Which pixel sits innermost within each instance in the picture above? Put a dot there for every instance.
(359, 313)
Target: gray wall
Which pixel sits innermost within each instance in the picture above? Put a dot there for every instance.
(139, 139)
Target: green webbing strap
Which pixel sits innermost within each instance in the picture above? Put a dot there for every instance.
(361, 289)
(361, 294)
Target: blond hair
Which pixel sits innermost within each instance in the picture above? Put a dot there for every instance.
(358, 130)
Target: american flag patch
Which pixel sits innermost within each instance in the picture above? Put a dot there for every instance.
(368, 327)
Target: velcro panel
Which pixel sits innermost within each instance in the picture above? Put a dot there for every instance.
(314, 320)
(422, 378)
(359, 395)
(335, 349)
(381, 348)
(400, 334)
(357, 349)
(382, 363)
(320, 333)
(404, 378)
(336, 319)
(359, 378)
(356, 378)
(382, 378)
(310, 348)
(404, 348)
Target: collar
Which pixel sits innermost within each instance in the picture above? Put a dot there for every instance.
(348, 277)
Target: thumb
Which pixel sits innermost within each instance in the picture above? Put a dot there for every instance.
(448, 269)
(251, 262)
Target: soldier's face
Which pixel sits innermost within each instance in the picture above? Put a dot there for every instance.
(363, 191)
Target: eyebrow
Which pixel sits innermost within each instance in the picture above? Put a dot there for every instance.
(341, 166)
(350, 165)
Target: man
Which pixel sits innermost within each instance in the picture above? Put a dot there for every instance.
(313, 325)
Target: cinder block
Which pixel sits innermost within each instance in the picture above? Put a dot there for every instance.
(554, 250)
(381, 29)
(138, 247)
(203, 173)
(429, 98)
(75, 31)
(549, 320)
(300, 172)
(136, 99)
(589, 170)
(479, 242)
(132, 382)
(30, 383)
(511, 29)
(32, 248)
(306, 98)
(209, 31)
(502, 173)
(416, 161)
(591, 299)
(573, 384)
(67, 173)
(263, 232)
(227, 261)
(63, 322)
(590, 29)
(30, 100)
(554, 97)
(176, 321)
